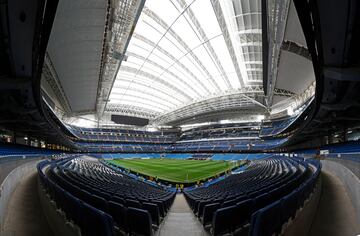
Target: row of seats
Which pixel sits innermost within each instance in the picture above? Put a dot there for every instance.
(273, 217)
(228, 205)
(220, 133)
(16, 150)
(185, 147)
(122, 135)
(87, 189)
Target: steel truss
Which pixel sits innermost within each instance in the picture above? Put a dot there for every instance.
(250, 97)
(122, 17)
(52, 78)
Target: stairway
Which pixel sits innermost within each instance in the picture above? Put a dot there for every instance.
(181, 221)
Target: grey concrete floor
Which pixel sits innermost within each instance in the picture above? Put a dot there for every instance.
(181, 221)
(353, 166)
(25, 216)
(6, 166)
(335, 215)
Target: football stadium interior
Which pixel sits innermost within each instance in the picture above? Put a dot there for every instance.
(179, 117)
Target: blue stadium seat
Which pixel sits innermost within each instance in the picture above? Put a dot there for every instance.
(98, 202)
(267, 221)
(133, 203)
(244, 210)
(118, 200)
(73, 208)
(119, 214)
(229, 203)
(153, 209)
(96, 222)
(261, 201)
(208, 212)
(223, 220)
(289, 205)
(139, 221)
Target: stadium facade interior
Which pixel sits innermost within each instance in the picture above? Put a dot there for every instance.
(179, 117)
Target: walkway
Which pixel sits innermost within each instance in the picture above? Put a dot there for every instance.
(335, 215)
(8, 164)
(353, 166)
(180, 220)
(25, 216)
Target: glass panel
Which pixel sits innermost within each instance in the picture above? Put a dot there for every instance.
(170, 67)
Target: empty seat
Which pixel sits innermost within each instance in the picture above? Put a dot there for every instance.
(72, 207)
(244, 211)
(96, 222)
(139, 221)
(223, 220)
(208, 212)
(118, 200)
(161, 207)
(200, 206)
(262, 201)
(119, 214)
(229, 203)
(153, 209)
(133, 203)
(98, 202)
(289, 205)
(267, 220)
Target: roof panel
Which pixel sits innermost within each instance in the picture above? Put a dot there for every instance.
(75, 49)
(178, 52)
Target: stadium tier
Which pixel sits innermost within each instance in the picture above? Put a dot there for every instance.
(275, 127)
(243, 130)
(97, 198)
(100, 200)
(226, 145)
(22, 150)
(278, 187)
(123, 135)
(249, 132)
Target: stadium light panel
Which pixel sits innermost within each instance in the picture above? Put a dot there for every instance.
(195, 125)
(290, 111)
(260, 118)
(151, 129)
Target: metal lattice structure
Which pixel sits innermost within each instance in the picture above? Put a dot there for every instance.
(278, 12)
(123, 15)
(177, 59)
(251, 98)
(52, 78)
(185, 55)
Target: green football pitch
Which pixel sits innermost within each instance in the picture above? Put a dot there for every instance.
(175, 170)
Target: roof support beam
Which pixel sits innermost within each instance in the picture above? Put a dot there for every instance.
(277, 12)
(220, 17)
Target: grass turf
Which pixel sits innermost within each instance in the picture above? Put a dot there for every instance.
(175, 170)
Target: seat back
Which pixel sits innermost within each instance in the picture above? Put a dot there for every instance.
(139, 221)
(262, 201)
(161, 207)
(153, 209)
(289, 205)
(119, 214)
(133, 203)
(119, 200)
(223, 220)
(96, 222)
(208, 212)
(244, 211)
(266, 221)
(229, 203)
(72, 207)
(98, 202)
